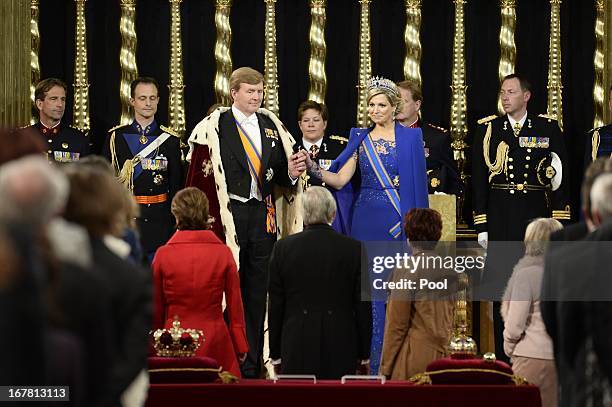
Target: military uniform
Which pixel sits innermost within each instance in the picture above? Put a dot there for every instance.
(323, 152)
(154, 180)
(64, 143)
(442, 174)
(518, 177)
(599, 144)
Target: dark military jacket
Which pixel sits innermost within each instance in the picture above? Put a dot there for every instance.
(442, 174)
(156, 179)
(598, 144)
(64, 143)
(331, 147)
(517, 178)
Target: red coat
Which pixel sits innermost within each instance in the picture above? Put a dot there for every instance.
(190, 274)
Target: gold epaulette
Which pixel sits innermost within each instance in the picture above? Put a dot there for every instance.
(549, 117)
(480, 219)
(341, 139)
(170, 131)
(565, 214)
(115, 128)
(442, 129)
(487, 119)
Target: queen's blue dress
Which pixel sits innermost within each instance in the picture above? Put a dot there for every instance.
(366, 212)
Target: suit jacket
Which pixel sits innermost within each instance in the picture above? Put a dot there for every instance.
(317, 321)
(64, 143)
(331, 147)
(273, 159)
(442, 174)
(130, 295)
(190, 275)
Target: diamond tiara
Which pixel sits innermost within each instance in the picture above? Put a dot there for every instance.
(378, 82)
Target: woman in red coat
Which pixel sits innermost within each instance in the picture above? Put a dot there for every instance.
(190, 274)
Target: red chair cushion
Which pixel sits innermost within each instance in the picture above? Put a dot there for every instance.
(183, 370)
(469, 371)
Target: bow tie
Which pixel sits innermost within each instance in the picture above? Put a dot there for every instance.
(252, 120)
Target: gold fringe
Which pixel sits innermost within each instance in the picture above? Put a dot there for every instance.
(595, 144)
(501, 157)
(425, 378)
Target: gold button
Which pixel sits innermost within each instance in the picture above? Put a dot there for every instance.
(526, 165)
(525, 175)
(50, 141)
(527, 158)
(511, 175)
(512, 191)
(511, 167)
(529, 150)
(520, 187)
(510, 159)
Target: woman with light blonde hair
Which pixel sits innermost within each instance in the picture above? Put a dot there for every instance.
(525, 339)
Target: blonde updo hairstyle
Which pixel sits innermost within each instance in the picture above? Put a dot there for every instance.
(393, 98)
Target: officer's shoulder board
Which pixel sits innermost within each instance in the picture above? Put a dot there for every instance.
(547, 116)
(442, 129)
(170, 131)
(487, 119)
(115, 128)
(341, 139)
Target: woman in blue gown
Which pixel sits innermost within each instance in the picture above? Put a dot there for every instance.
(390, 162)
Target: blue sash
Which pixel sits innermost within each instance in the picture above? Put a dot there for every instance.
(385, 182)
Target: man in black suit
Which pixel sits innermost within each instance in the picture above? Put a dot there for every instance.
(442, 174)
(318, 322)
(254, 148)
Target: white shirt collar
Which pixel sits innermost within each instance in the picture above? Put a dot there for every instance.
(520, 122)
(307, 143)
(241, 117)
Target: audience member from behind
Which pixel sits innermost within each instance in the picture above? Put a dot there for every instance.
(525, 339)
(317, 320)
(190, 275)
(96, 202)
(419, 322)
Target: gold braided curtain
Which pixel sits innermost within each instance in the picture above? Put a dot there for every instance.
(318, 52)
(507, 46)
(270, 61)
(412, 62)
(365, 63)
(176, 102)
(35, 46)
(223, 58)
(555, 85)
(81, 82)
(598, 64)
(127, 57)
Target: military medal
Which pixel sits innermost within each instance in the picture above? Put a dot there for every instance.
(158, 179)
(65, 145)
(143, 139)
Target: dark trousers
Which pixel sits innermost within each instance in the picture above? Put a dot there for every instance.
(255, 248)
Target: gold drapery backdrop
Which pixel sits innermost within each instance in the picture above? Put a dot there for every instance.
(555, 84)
(223, 57)
(598, 64)
(127, 57)
(365, 62)
(35, 46)
(318, 52)
(412, 62)
(176, 103)
(507, 47)
(271, 101)
(81, 83)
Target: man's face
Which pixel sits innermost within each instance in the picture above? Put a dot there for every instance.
(513, 98)
(410, 109)
(51, 108)
(144, 101)
(248, 98)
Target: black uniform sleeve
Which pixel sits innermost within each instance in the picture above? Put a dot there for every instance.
(480, 181)
(175, 167)
(560, 197)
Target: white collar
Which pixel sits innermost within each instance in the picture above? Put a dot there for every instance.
(241, 117)
(520, 122)
(307, 144)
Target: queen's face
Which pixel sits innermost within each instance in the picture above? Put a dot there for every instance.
(380, 110)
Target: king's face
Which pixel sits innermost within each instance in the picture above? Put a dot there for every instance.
(248, 98)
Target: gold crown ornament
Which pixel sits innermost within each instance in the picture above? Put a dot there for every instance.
(176, 341)
(378, 82)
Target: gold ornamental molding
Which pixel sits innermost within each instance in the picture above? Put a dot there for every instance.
(223, 57)
(365, 62)
(507, 46)
(412, 62)
(35, 47)
(176, 102)
(555, 84)
(318, 52)
(598, 64)
(458, 116)
(81, 82)
(270, 60)
(127, 56)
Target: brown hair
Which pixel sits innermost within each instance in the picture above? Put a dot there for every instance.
(45, 86)
(145, 80)
(96, 200)
(190, 208)
(525, 85)
(413, 88)
(311, 104)
(245, 75)
(423, 225)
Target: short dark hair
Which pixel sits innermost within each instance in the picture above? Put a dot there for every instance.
(190, 208)
(143, 80)
(45, 86)
(311, 104)
(413, 88)
(423, 225)
(525, 85)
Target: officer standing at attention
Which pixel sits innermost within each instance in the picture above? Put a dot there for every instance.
(64, 143)
(146, 158)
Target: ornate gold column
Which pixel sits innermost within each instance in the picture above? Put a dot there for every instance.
(81, 84)
(15, 73)
(458, 117)
(318, 52)
(555, 85)
(35, 46)
(598, 63)
(270, 65)
(176, 102)
(365, 63)
(127, 58)
(412, 62)
(507, 57)
(222, 52)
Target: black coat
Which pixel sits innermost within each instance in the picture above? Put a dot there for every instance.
(599, 138)
(330, 149)
(63, 139)
(442, 174)
(317, 321)
(155, 222)
(233, 156)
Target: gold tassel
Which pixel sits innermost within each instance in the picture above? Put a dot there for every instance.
(126, 176)
(501, 157)
(594, 144)
(227, 377)
(420, 379)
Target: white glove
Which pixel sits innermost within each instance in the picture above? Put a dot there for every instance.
(483, 239)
